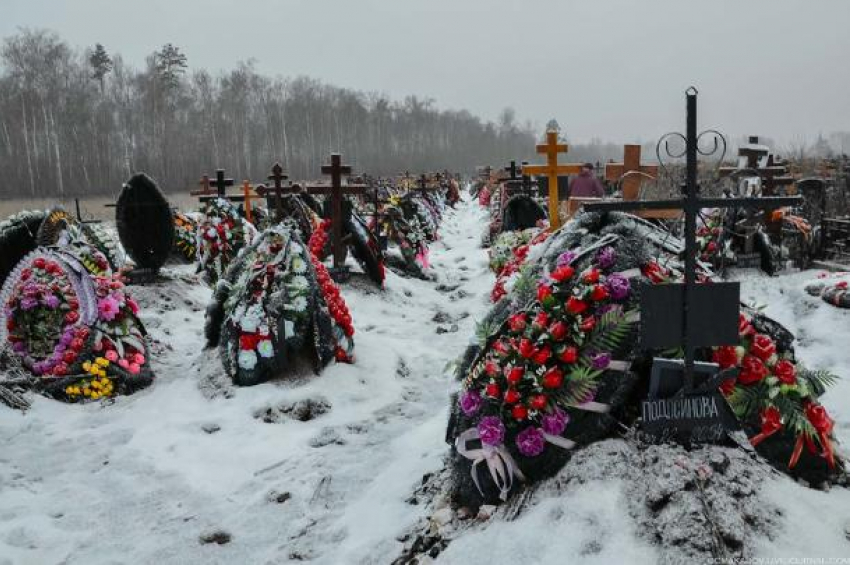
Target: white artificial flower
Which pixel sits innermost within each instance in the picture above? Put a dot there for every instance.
(252, 319)
(247, 359)
(265, 348)
(300, 282)
(211, 232)
(299, 304)
(298, 265)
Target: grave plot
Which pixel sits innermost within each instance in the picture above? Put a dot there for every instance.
(276, 307)
(580, 351)
(344, 229)
(72, 327)
(222, 232)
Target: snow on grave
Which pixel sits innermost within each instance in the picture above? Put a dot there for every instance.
(559, 367)
(275, 307)
(72, 326)
(833, 288)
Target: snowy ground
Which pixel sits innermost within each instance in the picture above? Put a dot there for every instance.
(144, 479)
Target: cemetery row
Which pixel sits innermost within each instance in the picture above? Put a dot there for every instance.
(75, 332)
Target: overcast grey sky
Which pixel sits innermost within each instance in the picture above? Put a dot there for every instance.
(614, 69)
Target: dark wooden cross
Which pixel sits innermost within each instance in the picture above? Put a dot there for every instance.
(709, 312)
(552, 170)
(220, 185)
(336, 192)
(277, 190)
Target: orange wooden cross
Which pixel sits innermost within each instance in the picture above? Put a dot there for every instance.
(247, 194)
(552, 170)
(630, 172)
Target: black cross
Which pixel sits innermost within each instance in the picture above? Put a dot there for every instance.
(277, 177)
(220, 184)
(709, 313)
(335, 192)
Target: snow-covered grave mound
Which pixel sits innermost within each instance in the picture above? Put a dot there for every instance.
(350, 467)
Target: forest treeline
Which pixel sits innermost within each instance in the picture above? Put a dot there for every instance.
(81, 121)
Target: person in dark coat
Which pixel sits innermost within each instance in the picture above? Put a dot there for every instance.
(586, 185)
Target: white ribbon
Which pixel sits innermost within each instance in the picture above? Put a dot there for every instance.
(501, 465)
(591, 406)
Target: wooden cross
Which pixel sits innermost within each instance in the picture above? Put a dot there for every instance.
(220, 184)
(278, 190)
(247, 194)
(552, 170)
(335, 192)
(630, 171)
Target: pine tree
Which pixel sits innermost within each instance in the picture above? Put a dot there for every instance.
(101, 64)
(170, 63)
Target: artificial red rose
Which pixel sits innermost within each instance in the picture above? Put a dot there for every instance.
(60, 369)
(541, 320)
(785, 372)
(515, 374)
(500, 347)
(521, 252)
(702, 232)
(72, 317)
(598, 293)
(576, 306)
(498, 292)
(818, 417)
(247, 342)
(491, 368)
(69, 357)
(562, 273)
(771, 420)
(10, 324)
(587, 324)
(512, 396)
(26, 274)
(492, 390)
(725, 356)
(539, 401)
(590, 276)
(744, 326)
(542, 355)
(553, 378)
(727, 387)
(762, 347)
(752, 370)
(517, 322)
(544, 292)
(77, 344)
(841, 284)
(526, 348)
(569, 355)
(519, 412)
(558, 331)
(38, 263)
(711, 247)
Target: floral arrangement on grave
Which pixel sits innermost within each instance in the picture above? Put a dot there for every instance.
(221, 233)
(60, 228)
(362, 241)
(776, 396)
(544, 365)
(277, 305)
(145, 222)
(185, 228)
(418, 206)
(70, 320)
(408, 234)
(512, 259)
